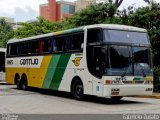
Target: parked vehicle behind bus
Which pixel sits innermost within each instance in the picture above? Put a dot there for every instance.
(2, 64)
(103, 60)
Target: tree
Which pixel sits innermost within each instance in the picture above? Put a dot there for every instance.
(6, 32)
(41, 26)
(148, 1)
(93, 14)
(117, 3)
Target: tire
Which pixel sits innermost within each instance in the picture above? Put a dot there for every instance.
(78, 90)
(24, 83)
(24, 86)
(116, 98)
(18, 84)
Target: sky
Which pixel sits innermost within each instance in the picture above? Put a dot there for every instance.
(24, 10)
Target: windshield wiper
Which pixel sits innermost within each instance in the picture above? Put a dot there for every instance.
(144, 75)
(142, 69)
(124, 74)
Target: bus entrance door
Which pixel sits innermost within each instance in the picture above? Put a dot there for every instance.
(97, 70)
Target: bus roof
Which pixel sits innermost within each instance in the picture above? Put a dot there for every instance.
(2, 49)
(104, 26)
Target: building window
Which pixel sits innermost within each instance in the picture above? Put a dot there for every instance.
(68, 9)
(71, 9)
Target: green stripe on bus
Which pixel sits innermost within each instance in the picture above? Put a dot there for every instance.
(51, 70)
(59, 72)
(139, 79)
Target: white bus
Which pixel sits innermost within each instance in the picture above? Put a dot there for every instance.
(2, 64)
(103, 60)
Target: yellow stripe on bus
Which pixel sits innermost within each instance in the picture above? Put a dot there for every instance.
(58, 33)
(35, 76)
(38, 74)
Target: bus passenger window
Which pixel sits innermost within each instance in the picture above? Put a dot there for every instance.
(94, 35)
(76, 41)
(14, 49)
(54, 45)
(35, 47)
(24, 48)
(45, 45)
(41, 46)
(61, 46)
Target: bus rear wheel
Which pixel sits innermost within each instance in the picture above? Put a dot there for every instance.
(24, 86)
(78, 90)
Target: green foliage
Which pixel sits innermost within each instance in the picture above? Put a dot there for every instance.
(156, 79)
(93, 14)
(41, 26)
(6, 32)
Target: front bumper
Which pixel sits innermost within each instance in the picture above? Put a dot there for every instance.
(127, 90)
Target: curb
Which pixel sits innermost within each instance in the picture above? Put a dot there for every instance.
(150, 96)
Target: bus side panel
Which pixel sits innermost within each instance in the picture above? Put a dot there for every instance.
(76, 67)
(71, 71)
(37, 75)
(10, 74)
(56, 71)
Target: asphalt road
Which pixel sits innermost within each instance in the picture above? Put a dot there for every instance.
(36, 101)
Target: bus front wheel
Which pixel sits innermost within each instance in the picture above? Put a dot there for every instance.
(78, 90)
(18, 84)
(116, 98)
(24, 83)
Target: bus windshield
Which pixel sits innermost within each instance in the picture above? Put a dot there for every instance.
(119, 60)
(127, 60)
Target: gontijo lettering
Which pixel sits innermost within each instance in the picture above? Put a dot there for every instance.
(29, 61)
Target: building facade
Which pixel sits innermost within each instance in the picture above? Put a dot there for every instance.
(58, 10)
(81, 4)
